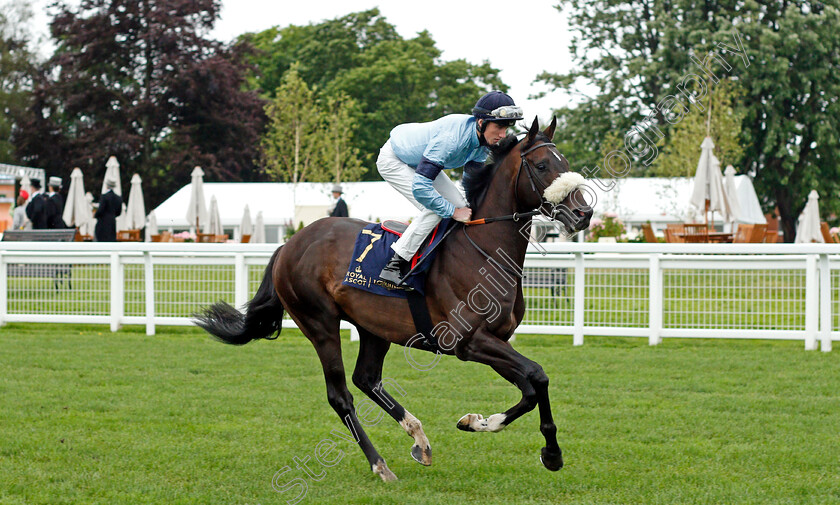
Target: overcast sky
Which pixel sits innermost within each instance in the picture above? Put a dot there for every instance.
(521, 38)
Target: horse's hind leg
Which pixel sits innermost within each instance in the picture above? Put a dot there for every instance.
(368, 377)
(324, 335)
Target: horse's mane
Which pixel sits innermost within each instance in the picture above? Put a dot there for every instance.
(477, 180)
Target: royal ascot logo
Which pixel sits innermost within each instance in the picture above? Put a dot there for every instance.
(357, 277)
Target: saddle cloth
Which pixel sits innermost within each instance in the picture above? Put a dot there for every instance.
(373, 250)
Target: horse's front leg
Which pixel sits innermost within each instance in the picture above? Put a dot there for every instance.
(528, 376)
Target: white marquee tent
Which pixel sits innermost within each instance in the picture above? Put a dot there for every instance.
(635, 200)
(662, 200)
(366, 200)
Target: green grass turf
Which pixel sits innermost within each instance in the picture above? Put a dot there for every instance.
(92, 417)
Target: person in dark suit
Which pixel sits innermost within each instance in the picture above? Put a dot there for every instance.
(36, 209)
(55, 206)
(340, 209)
(110, 206)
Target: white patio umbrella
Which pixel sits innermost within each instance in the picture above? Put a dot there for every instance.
(151, 226)
(709, 194)
(808, 229)
(122, 219)
(258, 237)
(245, 227)
(197, 210)
(26, 185)
(214, 222)
(76, 209)
(732, 193)
(112, 171)
(135, 213)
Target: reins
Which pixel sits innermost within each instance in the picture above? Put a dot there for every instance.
(516, 216)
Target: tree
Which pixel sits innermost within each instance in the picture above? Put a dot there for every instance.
(291, 145)
(338, 151)
(17, 66)
(680, 156)
(392, 80)
(783, 55)
(321, 50)
(403, 81)
(137, 79)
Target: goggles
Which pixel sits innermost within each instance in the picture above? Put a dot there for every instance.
(503, 113)
(507, 112)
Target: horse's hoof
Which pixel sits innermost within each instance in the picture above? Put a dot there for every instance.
(466, 422)
(382, 470)
(550, 460)
(424, 457)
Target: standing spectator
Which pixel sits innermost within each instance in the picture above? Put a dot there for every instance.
(340, 208)
(55, 205)
(36, 209)
(110, 206)
(19, 219)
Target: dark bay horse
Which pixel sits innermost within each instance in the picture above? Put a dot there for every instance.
(473, 292)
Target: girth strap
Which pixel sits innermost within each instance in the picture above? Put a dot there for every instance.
(422, 319)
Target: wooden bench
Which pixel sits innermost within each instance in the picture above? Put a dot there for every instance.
(66, 235)
(56, 272)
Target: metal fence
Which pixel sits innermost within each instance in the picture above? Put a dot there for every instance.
(772, 291)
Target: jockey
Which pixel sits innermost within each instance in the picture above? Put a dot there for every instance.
(413, 160)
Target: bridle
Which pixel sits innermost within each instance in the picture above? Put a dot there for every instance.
(516, 216)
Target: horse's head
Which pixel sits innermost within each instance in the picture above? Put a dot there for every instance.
(547, 182)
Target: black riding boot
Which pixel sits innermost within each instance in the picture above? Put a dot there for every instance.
(393, 271)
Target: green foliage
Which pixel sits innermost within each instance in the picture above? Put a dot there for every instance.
(679, 157)
(17, 68)
(290, 144)
(140, 81)
(391, 80)
(310, 139)
(636, 54)
(338, 151)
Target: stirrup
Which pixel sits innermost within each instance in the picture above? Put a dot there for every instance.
(393, 271)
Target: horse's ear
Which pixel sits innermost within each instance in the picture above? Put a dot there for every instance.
(549, 132)
(535, 128)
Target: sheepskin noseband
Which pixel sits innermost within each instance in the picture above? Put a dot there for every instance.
(562, 186)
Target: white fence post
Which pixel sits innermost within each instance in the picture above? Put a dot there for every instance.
(655, 300)
(240, 281)
(117, 292)
(4, 289)
(580, 289)
(149, 284)
(825, 304)
(812, 305)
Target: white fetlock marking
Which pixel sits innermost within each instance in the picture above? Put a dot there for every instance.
(496, 422)
(477, 422)
(414, 428)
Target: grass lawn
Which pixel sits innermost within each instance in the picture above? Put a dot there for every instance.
(91, 417)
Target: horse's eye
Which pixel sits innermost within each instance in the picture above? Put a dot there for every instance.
(541, 167)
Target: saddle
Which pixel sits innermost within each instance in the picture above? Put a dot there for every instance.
(398, 228)
(372, 251)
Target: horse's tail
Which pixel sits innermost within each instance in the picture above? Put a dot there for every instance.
(263, 317)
